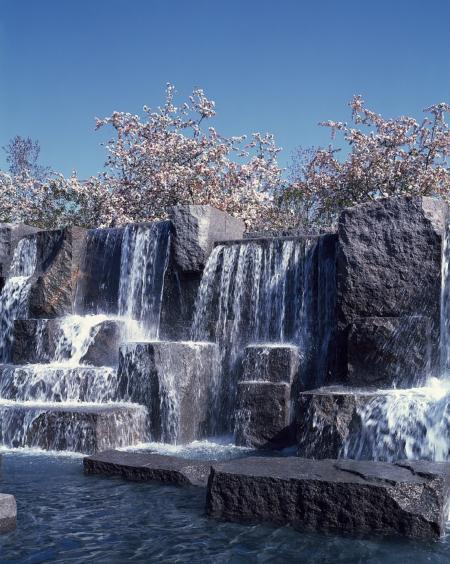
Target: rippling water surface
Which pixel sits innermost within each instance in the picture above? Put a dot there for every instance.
(64, 516)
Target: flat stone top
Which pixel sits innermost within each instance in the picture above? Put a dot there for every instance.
(383, 474)
(345, 391)
(146, 460)
(85, 408)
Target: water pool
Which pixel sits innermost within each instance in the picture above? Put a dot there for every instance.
(64, 516)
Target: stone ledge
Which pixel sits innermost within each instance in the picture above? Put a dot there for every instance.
(408, 498)
(143, 467)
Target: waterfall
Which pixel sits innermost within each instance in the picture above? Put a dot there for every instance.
(14, 295)
(98, 287)
(253, 291)
(144, 258)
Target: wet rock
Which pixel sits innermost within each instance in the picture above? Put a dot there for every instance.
(327, 418)
(263, 414)
(53, 286)
(145, 467)
(8, 513)
(10, 235)
(389, 351)
(98, 281)
(39, 341)
(389, 265)
(195, 230)
(177, 381)
(409, 499)
(85, 428)
(271, 363)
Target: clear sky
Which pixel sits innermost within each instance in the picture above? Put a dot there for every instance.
(278, 66)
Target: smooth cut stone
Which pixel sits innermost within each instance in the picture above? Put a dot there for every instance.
(8, 513)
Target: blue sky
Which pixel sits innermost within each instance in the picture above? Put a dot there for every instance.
(278, 66)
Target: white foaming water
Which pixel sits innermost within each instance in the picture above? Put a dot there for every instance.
(14, 295)
(398, 424)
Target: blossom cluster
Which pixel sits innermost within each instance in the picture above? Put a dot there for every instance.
(386, 157)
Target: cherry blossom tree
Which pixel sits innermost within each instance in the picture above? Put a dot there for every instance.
(170, 156)
(386, 157)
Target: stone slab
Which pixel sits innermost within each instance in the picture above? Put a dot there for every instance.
(144, 467)
(409, 499)
(85, 428)
(8, 513)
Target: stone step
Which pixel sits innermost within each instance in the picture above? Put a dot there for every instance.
(328, 420)
(46, 340)
(408, 498)
(85, 428)
(8, 513)
(177, 381)
(144, 467)
(270, 362)
(58, 383)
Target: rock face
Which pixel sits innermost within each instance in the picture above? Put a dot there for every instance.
(53, 286)
(147, 467)
(8, 513)
(270, 363)
(195, 230)
(41, 340)
(389, 265)
(263, 414)
(409, 499)
(10, 234)
(389, 351)
(176, 381)
(327, 418)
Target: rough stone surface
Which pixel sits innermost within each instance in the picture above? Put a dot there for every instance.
(389, 264)
(263, 414)
(195, 230)
(8, 513)
(144, 467)
(409, 499)
(175, 381)
(36, 341)
(326, 419)
(270, 363)
(86, 428)
(53, 286)
(388, 351)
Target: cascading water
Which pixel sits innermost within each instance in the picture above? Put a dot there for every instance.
(145, 253)
(14, 295)
(62, 396)
(269, 291)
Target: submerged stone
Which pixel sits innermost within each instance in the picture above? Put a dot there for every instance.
(144, 467)
(408, 498)
(8, 513)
